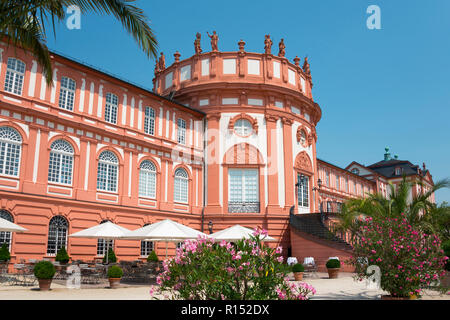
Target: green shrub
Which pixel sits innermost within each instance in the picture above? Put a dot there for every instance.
(44, 270)
(4, 253)
(333, 263)
(111, 256)
(152, 257)
(115, 272)
(62, 256)
(298, 267)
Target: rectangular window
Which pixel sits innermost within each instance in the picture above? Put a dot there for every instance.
(146, 248)
(205, 67)
(328, 179)
(181, 131)
(103, 246)
(15, 72)
(303, 191)
(228, 101)
(67, 93)
(291, 76)
(169, 79)
(276, 69)
(111, 108)
(243, 190)
(253, 66)
(185, 73)
(255, 102)
(338, 187)
(229, 66)
(149, 121)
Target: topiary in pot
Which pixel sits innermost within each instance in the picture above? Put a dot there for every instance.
(298, 270)
(152, 257)
(333, 266)
(4, 253)
(62, 256)
(44, 272)
(111, 256)
(115, 273)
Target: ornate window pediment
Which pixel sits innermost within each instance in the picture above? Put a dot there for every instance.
(242, 123)
(303, 137)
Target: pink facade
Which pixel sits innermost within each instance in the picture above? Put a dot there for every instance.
(225, 137)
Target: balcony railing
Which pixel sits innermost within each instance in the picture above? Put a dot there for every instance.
(243, 207)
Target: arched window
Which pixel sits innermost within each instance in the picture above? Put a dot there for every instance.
(57, 234)
(5, 236)
(61, 162)
(147, 179)
(10, 146)
(243, 127)
(149, 121)
(181, 124)
(103, 245)
(107, 171)
(181, 186)
(67, 93)
(146, 246)
(111, 108)
(15, 72)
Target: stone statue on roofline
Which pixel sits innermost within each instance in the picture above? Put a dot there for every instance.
(214, 40)
(157, 67)
(268, 44)
(306, 66)
(162, 62)
(198, 49)
(282, 47)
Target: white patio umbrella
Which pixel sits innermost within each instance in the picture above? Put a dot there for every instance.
(165, 230)
(236, 233)
(8, 226)
(106, 230)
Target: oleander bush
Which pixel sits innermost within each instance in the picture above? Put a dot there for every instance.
(333, 264)
(409, 259)
(62, 256)
(152, 257)
(44, 270)
(115, 272)
(4, 253)
(206, 270)
(446, 247)
(298, 267)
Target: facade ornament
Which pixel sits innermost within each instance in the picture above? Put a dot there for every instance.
(268, 44)
(197, 47)
(303, 162)
(241, 45)
(157, 70)
(177, 55)
(297, 61)
(282, 47)
(214, 40)
(306, 67)
(162, 62)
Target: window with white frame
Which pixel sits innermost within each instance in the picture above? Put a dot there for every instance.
(61, 162)
(303, 190)
(179, 245)
(111, 106)
(149, 121)
(243, 127)
(57, 234)
(146, 248)
(147, 179)
(338, 187)
(5, 236)
(67, 93)
(243, 185)
(181, 131)
(181, 186)
(327, 178)
(108, 165)
(103, 245)
(346, 185)
(10, 149)
(15, 72)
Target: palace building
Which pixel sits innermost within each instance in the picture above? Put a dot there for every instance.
(223, 138)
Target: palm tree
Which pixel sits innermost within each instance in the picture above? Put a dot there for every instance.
(22, 23)
(419, 209)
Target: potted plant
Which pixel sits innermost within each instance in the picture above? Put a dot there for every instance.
(152, 259)
(298, 270)
(44, 272)
(333, 267)
(62, 256)
(111, 256)
(115, 273)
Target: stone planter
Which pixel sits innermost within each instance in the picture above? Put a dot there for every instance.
(44, 284)
(114, 282)
(333, 272)
(298, 276)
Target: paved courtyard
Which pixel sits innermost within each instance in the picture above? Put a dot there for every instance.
(343, 288)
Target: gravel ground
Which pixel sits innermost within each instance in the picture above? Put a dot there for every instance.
(343, 288)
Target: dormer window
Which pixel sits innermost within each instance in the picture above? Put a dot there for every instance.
(355, 171)
(398, 171)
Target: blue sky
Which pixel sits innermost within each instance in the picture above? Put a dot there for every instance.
(376, 88)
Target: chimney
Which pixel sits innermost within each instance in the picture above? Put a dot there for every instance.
(387, 155)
